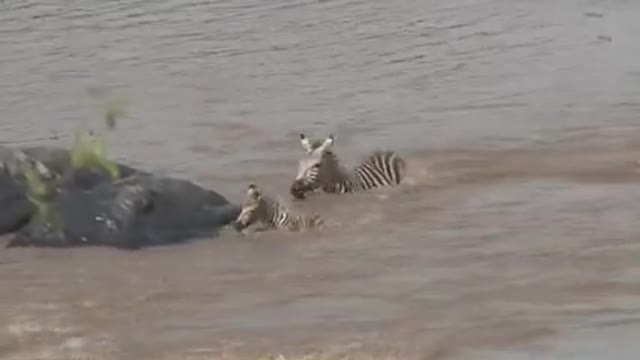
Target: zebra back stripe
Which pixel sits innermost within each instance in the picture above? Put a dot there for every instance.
(382, 168)
(279, 216)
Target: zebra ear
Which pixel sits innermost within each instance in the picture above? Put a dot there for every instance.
(306, 144)
(328, 142)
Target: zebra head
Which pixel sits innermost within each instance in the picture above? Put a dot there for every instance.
(251, 208)
(312, 167)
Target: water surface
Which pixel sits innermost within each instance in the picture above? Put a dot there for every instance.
(515, 235)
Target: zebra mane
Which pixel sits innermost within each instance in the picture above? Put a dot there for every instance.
(340, 171)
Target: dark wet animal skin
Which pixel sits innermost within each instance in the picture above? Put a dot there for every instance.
(87, 208)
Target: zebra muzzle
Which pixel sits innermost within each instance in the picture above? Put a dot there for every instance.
(238, 225)
(299, 190)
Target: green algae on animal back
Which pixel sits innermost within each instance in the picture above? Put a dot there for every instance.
(92, 154)
(36, 191)
(37, 194)
(35, 186)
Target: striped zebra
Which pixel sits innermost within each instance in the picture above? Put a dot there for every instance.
(320, 169)
(260, 208)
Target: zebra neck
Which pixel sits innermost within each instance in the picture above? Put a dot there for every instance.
(276, 213)
(341, 180)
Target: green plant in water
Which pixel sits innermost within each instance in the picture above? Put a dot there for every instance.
(35, 186)
(37, 194)
(92, 154)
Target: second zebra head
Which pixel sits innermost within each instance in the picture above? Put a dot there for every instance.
(321, 169)
(258, 207)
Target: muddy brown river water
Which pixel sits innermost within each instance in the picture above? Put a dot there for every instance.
(515, 235)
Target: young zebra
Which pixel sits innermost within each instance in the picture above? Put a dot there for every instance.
(320, 169)
(260, 208)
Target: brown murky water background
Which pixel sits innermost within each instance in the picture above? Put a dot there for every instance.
(516, 235)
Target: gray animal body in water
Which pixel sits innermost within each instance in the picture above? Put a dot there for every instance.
(84, 207)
